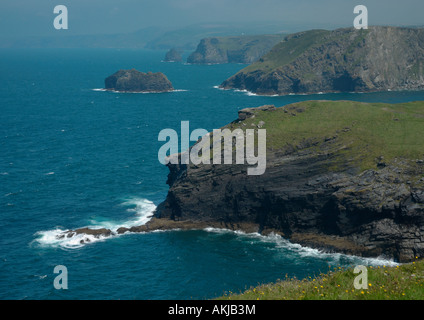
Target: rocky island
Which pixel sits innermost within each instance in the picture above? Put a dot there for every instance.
(173, 55)
(242, 49)
(136, 81)
(343, 60)
(341, 176)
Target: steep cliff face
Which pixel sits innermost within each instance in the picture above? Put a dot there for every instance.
(330, 182)
(242, 49)
(136, 81)
(344, 60)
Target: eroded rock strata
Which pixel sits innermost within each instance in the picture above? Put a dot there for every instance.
(313, 193)
(332, 181)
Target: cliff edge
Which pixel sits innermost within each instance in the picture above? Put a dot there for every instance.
(343, 60)
(341, 176)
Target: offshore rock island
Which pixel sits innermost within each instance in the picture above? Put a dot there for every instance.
(343, 60)
(136, 81)
(173, 55)
(341, 176)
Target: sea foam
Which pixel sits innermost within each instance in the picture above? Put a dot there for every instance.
(300, 251)
(58, 237)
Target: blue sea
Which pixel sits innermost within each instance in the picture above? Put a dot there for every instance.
(72, 155)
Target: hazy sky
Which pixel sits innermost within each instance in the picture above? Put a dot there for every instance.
(35, 17)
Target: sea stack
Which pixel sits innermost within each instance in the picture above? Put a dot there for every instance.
(173, 55)
(136, 81)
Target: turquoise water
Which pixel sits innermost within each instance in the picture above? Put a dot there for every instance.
(73, 156)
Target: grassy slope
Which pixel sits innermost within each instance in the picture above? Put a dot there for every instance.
(362, 131)
(287, 51)
(384, 283)
(240, 42)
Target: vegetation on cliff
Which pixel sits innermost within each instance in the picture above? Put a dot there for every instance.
(401, 282)
(340, 175)
(367, 134)
(343, 60)
(240, 49)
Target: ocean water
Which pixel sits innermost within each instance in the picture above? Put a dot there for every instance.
(72, 155)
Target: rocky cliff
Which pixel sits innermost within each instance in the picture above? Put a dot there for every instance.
(340, 176)
(242, 49)
(136, 81)
(343, 60)
(332, 181)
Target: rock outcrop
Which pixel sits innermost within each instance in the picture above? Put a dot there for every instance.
(314, 192)
(340, 176)
(173, 55)
(136, 81)
(242, 49)
(343, 60)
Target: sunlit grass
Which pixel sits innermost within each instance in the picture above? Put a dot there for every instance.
(401, 282)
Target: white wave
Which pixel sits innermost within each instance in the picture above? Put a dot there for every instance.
(59, 237)
(4, 173)
(305, 252)
(49, 173)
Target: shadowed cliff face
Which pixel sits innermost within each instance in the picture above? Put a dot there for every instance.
(310, 193)
(340, 175)
(344, 60)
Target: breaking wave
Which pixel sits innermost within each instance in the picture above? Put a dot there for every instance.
(143, 210)
(298, 251)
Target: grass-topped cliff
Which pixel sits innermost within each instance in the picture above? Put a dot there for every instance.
(343, 60)
(366, 134)
(342, 176)
(236, 49)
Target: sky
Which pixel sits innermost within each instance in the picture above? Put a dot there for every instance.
(35, 17)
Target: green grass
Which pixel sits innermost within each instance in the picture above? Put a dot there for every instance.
(402, 282)
(287, 51)
(259, 42)
(360, 132)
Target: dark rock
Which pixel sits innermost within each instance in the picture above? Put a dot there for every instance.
(370, 213)
(136, 81)
(94, 232)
